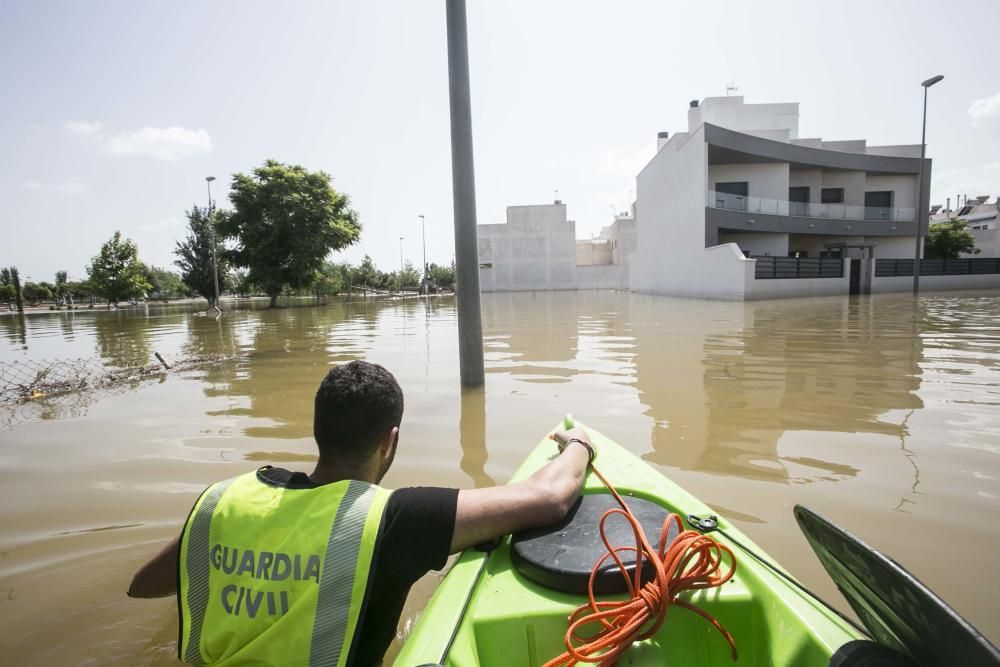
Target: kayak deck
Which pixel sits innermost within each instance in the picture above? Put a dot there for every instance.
(509, 620)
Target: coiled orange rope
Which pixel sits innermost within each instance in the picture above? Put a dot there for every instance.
(692, 561)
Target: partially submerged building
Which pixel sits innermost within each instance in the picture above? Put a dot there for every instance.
(740, 195)
(537, 249)
(739, 206)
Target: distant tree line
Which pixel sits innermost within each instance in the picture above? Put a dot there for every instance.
(284, 223)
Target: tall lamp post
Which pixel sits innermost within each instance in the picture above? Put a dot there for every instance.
(423, 236)
(399, 285)
(211, 229)
(921, 209)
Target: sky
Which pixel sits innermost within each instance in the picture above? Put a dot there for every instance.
(114, 112)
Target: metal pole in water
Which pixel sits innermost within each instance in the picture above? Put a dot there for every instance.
(470, 323)
(921, 209)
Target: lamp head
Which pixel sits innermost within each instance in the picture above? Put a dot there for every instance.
(931, 81)
(210, 178)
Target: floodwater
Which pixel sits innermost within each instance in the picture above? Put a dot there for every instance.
(880, 412)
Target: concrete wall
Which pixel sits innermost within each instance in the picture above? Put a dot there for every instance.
(622, 235)
(987, 242)
(936, 283)
(768, 180)
(608, 276)
(535, 249)
(593, 253)
(757, 243)
(670, 216)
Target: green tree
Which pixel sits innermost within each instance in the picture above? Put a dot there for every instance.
(194, 254)
(366, 274)
(36, 293)
(947, 240)
(285, 222)
(62, 282)
(241, 283)
(6, 294)
(409, 276)
(116, 272)
(15, 281)
(441, 276)
(164, 284)
(5, 276)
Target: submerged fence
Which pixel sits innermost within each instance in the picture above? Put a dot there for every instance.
(891, 268)
(66, 387)
(771, 268)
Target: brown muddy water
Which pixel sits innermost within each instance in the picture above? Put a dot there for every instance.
(881, 412)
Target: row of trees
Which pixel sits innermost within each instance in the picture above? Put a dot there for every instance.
(284, 223)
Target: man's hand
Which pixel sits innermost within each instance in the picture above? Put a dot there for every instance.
(541, 500)
(562, 437)
(158, 577)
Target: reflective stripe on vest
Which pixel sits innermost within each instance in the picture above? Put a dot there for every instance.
(276, 575)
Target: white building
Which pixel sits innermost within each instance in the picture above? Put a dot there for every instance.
(741, 184)
(537, 249)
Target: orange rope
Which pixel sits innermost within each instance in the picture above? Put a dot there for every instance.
(691, 562)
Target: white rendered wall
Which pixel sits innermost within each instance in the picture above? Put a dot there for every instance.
(853, 183)
(608, 276)
(896, 247)
(757, 243)
(732, 113)
(936, 283)
(768, 180)
(904, 185)
(589, 253)
(535, 250)
(670, 217)
(807, 178)
(987, 242)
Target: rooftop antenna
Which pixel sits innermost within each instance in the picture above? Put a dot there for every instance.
(731, 89)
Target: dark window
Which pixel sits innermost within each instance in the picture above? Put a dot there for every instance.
(798, 198)
(878, 205)
(741, 188)
(832, 196)
(732, 195)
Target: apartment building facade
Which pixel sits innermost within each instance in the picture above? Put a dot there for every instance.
(740, 185)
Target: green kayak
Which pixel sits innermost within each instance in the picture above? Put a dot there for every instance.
(490, 609)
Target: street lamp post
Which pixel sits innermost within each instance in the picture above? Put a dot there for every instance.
(423, 236)
(211, 230)
(921, 209)
(399, 285)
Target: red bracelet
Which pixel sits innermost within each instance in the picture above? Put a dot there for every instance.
(587, 445)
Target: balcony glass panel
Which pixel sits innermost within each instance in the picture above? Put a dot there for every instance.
(767, 206)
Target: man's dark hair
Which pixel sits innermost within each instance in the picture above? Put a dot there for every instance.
(355, 405)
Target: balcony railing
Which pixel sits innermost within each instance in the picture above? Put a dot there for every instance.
(766, 206)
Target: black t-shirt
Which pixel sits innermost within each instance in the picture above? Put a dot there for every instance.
(415, 537)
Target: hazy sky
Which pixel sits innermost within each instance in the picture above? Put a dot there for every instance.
(114, 112)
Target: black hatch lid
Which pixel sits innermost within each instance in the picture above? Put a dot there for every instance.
(562, 556)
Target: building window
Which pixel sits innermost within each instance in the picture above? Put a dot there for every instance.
(832, 196)
(732, 195)
(486, 265)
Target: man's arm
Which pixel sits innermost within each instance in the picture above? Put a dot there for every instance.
(541, 500)
(158, 577)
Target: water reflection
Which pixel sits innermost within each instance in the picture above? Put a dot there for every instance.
(735, 378)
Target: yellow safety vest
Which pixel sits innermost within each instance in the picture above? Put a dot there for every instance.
(274, 575)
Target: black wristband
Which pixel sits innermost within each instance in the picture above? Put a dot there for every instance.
(587, 445)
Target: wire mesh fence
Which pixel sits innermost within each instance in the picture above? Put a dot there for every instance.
(53, 389)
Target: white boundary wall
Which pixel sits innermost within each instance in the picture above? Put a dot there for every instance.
(936, 283)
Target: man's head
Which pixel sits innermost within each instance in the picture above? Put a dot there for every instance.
(356, 420)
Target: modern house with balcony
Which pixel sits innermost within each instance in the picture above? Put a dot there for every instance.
(740, 207)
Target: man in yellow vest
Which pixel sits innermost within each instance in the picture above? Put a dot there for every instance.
(283, 568)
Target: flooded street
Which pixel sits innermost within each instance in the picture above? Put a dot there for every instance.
(881, 413)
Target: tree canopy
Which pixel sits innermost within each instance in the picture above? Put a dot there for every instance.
(194, 254)
(165, 284)
(116, 272)
(285, 221)
(947, 240)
